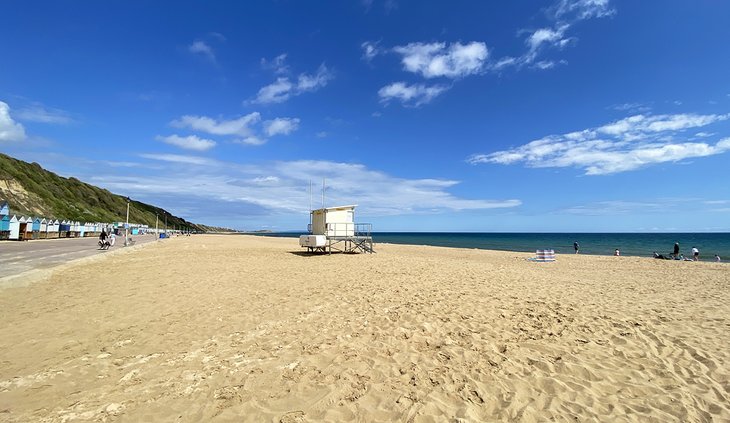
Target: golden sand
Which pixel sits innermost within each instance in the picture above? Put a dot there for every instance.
(241, 328)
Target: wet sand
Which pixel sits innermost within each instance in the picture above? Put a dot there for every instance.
(244, 328)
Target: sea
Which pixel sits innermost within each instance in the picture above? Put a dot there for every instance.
(629, 244)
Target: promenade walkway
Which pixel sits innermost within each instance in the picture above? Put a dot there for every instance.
(21, 256)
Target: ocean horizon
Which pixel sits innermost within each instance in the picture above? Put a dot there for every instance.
(604, 243)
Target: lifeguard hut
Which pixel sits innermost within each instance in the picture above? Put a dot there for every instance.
(334, 228)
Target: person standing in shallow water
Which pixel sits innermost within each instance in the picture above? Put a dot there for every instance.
(576, 247)
(676, 249)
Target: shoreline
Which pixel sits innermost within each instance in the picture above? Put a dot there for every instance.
(558, 254)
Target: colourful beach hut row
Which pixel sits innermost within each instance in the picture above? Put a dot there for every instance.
(26, 228)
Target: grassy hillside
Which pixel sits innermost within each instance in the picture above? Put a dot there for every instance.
(32, 190)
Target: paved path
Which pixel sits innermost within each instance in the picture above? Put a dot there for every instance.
(20, 256)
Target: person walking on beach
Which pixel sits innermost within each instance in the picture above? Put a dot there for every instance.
(695, 254)
(676, 250)
(717, 258)
(617, 253)
(576, 247)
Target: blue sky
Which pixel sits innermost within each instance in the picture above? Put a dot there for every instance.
(563, 115)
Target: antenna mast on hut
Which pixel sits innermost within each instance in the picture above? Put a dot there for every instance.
(323, 192)
(310, 203)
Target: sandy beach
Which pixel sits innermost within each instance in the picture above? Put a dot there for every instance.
(244, 328)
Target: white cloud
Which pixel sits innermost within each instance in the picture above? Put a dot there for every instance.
(545, 35)
(190, 142)
(240, 126)
(321, 134)
(437, 60)
(635, 126)
(203, 49)
(283, 126)
(281, 187)
(410, 95)
(246, 129)
(620, 146)
(9, 129)
(283, 88)
(276, 92)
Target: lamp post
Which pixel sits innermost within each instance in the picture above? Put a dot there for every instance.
(165, 224)
(157, 219)
(126, 226)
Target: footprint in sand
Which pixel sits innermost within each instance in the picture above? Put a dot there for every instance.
(292, 417)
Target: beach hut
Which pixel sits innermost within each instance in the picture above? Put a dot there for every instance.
(22, 228)
(14, 228)
(28, 228)
(36, 228)
(4, 227)
(43, 231)
(4, 220)
(53, 228)
(64, 229)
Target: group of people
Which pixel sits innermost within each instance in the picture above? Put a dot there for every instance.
(106, 241)
(675, 255)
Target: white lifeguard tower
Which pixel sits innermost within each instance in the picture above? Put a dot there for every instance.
(334, 228)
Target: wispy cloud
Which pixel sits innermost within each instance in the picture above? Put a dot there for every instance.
(240, 126)
(439, 60)
(9, 129)
(570, 11)
(203, 49)
(179, 158)
(37, 112)
(624, 145)
(277, 64)
(191, 142)
(252, 140)
(631, 107)
(284, 88)
(247, 129)
(410, 95)
(281, 187)
(562, 16)
(280, 126)
(370, 49)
